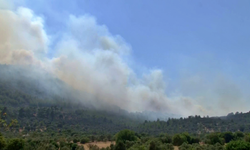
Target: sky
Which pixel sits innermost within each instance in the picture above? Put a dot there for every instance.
(170, 35)
(201, 48)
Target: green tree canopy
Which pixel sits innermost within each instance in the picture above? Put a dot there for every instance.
(125, 135)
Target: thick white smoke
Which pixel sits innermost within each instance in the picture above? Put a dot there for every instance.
(22, 38)
(90, 59)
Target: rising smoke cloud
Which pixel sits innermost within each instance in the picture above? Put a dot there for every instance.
(92, 60)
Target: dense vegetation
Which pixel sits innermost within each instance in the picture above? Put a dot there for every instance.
(199, 125)
(32, 117)
(127, 140)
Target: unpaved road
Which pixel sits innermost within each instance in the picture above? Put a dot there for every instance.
(99, 144)
(107, 144)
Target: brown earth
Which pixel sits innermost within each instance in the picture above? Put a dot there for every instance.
(176, 148)
(99, 144)
(106, 144)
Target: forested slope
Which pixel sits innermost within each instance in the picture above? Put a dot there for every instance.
(23, 96)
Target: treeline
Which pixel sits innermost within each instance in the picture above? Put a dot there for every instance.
(197, 124)
(51, 118)
(47, 119)
(127, 140)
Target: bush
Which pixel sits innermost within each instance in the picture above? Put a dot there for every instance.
(45, 147)
(197, 146)
(166, 139)
(62, 142)
(185, 146)
(238, 135)
(129, 144)
(2, 142)
(75, 140)
(247, 138)
(136, 147)
(80, 148)
(15, 144)
(153, 145)
(238, 145)
(120, 146)
(74, 146)
(84, 140)
(214, 138)
(93, 147)
(125, 135)
(65, 148)
(228, 136)
(179, 139)
(167, 146)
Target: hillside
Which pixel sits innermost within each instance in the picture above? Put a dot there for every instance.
(25, 96)
(37, 106)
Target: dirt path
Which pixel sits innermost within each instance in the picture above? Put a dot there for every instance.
(99, 144)
(176, 148)
(106, 144)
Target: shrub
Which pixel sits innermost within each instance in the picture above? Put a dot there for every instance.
(15, 144)
(80, 148)
(185, 146)
(179, 139)
(75, 140)
(84, 140)
(228, 136)
(247, 138)
(120, 146)
(74, 146)
(167, 146)
(65, 148)
(2, 142)
(125, 135)
(214, 138)
(45, 147)
(238, 145)
(238, 135)
(166, 139)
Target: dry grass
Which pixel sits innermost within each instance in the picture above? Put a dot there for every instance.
(99, 144)
(176, 148)
(106, 144)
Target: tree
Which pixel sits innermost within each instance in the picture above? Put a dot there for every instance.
(84, 140)
(166, 139)
(65, 148)
(238, 145)
(228, 136)
(120, 146)
(185, 146)
(2, 142)
(153, 146)
(15, 144)
(80, 148)
(238, 135)
(75, 140)
(167, 146)
(74, 146)
(21, 113)
(179, 139)
(125, 135)
(214, 138)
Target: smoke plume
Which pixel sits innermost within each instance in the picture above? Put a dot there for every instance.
(91, 60)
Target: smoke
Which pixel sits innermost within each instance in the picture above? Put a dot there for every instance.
(91, 60)
(22, 37)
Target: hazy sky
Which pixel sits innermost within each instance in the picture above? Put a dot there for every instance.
(202, 47)
(172, 35)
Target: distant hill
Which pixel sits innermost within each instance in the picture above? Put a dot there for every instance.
(40, 101)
